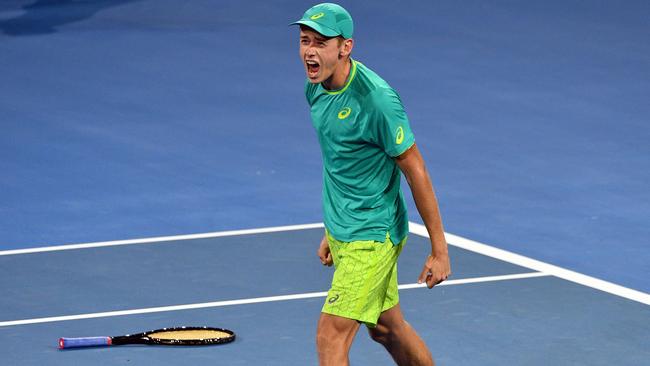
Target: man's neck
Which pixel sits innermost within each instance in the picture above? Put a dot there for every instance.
(339, 77)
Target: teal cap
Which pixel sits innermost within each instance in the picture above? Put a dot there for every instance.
(328, 19)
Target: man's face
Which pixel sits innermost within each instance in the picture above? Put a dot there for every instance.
(319, 54)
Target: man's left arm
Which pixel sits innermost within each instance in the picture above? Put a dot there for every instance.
(436, 267)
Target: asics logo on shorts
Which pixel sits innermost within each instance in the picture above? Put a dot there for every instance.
(332, 300)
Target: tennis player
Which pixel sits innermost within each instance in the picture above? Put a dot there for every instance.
(366, 140)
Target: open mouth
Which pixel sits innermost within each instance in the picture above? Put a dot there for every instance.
(312, 68)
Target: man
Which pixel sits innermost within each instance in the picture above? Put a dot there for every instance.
(366, 141)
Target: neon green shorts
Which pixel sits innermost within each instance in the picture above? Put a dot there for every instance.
(365, 280)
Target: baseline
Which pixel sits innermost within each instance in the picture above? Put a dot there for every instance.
(162, 239)
(415, 228)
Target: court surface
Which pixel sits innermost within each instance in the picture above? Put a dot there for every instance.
(492, 312)
(126, 119)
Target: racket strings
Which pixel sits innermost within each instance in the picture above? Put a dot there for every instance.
(190, 334)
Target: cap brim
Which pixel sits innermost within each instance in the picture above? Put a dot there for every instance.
(327, 32)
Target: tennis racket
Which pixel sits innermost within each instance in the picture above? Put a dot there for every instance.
(178, 336)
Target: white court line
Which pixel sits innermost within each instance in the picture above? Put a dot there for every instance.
(414, 228)
(536, 265)
(161, 239)
(252, 301)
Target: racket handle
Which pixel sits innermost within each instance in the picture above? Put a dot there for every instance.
(84, 342)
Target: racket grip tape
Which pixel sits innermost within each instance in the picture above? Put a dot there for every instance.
(84, 342)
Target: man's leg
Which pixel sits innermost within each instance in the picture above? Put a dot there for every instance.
(334, 339)
(400, 339)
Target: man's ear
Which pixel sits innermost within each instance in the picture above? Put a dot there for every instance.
(346, 50)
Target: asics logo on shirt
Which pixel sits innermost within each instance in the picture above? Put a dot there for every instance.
(400, 135)
(345, 113)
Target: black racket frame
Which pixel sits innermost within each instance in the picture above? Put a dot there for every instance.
(143, 338)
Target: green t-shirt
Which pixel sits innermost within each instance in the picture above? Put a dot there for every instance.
(361, 128)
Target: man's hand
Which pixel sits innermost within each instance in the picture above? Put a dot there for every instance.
(324, 253)
(436, 270)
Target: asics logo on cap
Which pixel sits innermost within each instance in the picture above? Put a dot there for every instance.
(328, 19)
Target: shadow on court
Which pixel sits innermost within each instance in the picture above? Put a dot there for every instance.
(45, 16)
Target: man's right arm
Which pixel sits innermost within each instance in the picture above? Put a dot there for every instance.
(437, 267)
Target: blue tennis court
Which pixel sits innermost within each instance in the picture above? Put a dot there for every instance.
(493, 311)
(158, 168)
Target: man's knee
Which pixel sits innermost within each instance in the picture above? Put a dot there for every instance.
(335, 333)
(382, 334)
(327, 340)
